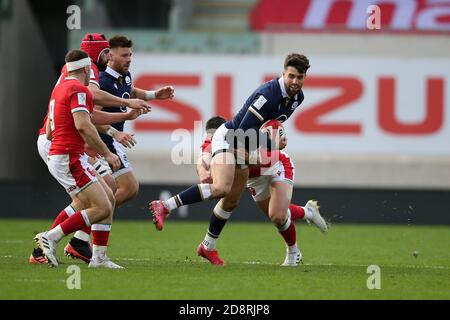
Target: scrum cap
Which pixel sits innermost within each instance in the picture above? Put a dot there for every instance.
(93, 44)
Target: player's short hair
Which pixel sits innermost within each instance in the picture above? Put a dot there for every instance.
(75, 55)
(214, 123)
(298, 61)
(120, 42)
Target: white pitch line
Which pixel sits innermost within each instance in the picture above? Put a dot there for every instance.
(38, 280)
(306, 264)
(11, 241)
(351, 265)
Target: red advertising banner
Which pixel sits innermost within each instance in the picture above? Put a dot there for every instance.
(396, 16)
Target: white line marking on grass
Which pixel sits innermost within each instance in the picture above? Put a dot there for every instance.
(349, 265)
(259, 262)
(11, 241)
(38, 280)
(7, 257)
(194, 260)
(135, 259)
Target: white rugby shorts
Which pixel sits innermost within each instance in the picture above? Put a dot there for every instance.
(43, 146)
(259, 187)
(72, 171)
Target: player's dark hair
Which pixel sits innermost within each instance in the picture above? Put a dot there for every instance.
(214, 123)
(120, 42)
(298, 61)
(75, 55)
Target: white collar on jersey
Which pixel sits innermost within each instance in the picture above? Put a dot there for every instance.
(113, 72)
(283, 89)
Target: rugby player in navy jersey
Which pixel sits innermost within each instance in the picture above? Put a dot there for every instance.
(276, 99)
(116, 80)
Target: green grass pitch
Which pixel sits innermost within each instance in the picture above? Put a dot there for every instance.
(163, 265)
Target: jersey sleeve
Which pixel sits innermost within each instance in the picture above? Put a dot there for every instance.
(81, 100)
(258, 112)
(95, 77)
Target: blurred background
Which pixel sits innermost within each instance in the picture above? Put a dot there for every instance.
(371, 141)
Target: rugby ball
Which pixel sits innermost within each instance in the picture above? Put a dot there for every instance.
(272, 126)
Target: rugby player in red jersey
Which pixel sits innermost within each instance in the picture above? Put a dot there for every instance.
(97, 47)
(271, 185)
(69, 126)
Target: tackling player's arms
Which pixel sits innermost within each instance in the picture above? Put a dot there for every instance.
(203, 167)
(106, 99)
(100, 118)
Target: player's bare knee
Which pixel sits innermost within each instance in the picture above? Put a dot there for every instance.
(103, 207)
(221, 190)
(278, 217)
(105, 211)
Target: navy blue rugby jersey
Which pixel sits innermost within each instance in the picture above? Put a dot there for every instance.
(120, 86)
(269, 101)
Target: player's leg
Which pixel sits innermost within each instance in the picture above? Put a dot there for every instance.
(101, 166)
(264, 206)
(79, 244)
(261, 189)
(127, 188)
(100, 235)
(220, 215)
(280, 198)
(126, 185)
(310, 211)
(76, 175)
(222, 171)
(79, 247)
(98, 209)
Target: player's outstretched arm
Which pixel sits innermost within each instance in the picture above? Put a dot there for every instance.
(105, 99)
(125, 139)
(163, 93)
(90, 135)
(103, 118)
(48, 129)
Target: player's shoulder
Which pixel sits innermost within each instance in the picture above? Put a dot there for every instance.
(106, 78)
(269, 87)
(270, 90)
(267, 95)
(106, 75)
(75, 86)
